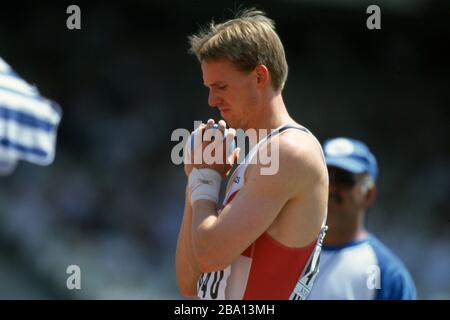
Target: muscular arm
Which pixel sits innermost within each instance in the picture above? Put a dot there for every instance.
(187, 270)
(219, 239)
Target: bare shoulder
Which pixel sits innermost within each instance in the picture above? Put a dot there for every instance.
(296, 161)
(300, 155)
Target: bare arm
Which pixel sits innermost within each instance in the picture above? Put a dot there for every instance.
(219, 239)
(187, 270)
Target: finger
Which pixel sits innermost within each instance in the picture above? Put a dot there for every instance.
(222, 125)
(228, 141)
(231, 133)
(210, 123)
(237, 152)
(201, 127)
(232, 159)
(197, 136)
(188, 169)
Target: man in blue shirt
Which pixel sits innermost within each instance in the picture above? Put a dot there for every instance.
(354, 264)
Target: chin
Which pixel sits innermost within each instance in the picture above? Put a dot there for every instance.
(230, 122)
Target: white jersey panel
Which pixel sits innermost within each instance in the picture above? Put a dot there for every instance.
(343, 274)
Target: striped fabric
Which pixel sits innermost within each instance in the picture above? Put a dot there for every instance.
(28, 122)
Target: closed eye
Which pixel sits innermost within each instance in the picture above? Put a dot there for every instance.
(217, 86)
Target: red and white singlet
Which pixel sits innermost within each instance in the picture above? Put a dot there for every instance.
(266, 269)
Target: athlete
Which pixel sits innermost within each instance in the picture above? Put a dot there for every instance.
(264, 241)
(354, 263)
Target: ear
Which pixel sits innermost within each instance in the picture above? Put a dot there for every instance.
(370, 196)
(262, 75)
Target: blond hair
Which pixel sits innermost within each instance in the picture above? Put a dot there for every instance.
(247, 41)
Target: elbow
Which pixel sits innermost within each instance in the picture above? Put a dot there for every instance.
(211, 262)
(203, 250)
(205, 263)
(209, 257)
(186, 279)
(187, 289)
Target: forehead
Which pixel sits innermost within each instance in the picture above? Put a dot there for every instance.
(219, 70)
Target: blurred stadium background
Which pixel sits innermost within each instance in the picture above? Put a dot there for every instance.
(112, 201)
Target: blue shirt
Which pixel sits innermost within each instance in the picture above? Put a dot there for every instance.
(362, 270)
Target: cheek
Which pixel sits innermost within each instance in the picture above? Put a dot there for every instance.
(248, 101)
(347, 199)
(236, 100)
(247, 90)
(357, 198)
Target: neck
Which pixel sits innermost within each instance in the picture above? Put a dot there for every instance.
(270, 115)
(342, 231)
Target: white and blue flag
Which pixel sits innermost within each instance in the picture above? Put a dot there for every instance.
(28, 122)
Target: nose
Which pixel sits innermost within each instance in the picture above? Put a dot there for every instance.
(213, 99)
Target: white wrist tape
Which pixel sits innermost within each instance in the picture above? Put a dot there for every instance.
(204, 184)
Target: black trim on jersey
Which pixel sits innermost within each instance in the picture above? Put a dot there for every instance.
(284, 128)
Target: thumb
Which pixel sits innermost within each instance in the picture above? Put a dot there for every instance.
(234, 156)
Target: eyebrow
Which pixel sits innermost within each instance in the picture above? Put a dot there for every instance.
(215, 84)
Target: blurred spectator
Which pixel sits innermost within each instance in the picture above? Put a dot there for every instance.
(354, 263)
